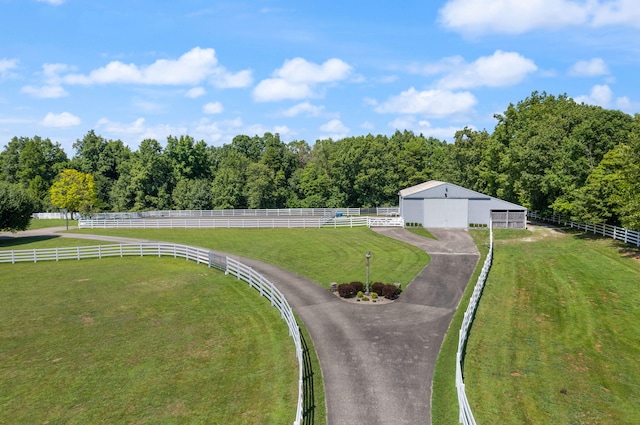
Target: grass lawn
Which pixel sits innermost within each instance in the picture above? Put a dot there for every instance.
(41, 223)
(323, 255)
(140, 340)
(556, 337)
(444, 399)
(37, 242)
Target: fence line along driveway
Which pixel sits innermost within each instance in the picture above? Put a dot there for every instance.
(377, 361)
(200, 256)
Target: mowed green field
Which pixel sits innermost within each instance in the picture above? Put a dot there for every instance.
(139, 340)
(556, 337)
(323, 255)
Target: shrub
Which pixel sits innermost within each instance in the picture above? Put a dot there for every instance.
(374, 295)
(357, 286)
(377, 287)
(359, 294)
(390, 292)
(345, 290)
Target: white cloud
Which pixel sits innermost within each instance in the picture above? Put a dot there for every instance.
(617, 12)
(590, 68)
(517, 16)
(6, 66)
(138, 129)
(298, 70)
(305, 108)
(195, 92)
(298, 79)
(333, 126)
(212, 108)
(626, 105)
(273, 89)
(601, 95)
(52, 88)
(431, 103)
(224, 131)
(510, 16)
(423, 127)
(232, 81)
(45, 92)
(193, 67)
(64, 119)
(367, 126)
(334, 129)
(498, 70)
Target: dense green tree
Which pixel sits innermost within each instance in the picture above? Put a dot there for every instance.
(249, 147)
(16, 207)
(612, 191)
(150, 177)
(259, 189)
(188, 159)
(104, 159)
(193, 195)
(551, 145)
(227, 189)
(33, 163)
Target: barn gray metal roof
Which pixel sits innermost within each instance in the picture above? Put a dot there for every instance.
(420, 187)
(468, 193)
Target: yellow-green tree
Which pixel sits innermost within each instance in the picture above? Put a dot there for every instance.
(74, 191)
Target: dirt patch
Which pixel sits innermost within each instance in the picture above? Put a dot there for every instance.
(541, 231)
(87, 320)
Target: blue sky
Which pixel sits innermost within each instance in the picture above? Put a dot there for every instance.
(139, 69)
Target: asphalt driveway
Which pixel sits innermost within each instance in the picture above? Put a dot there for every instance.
(377, 361)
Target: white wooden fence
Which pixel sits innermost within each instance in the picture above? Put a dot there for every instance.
(202, 223)
(242, 223)
(201, 256)
(466, 415)
(614, 232)
(270, 212)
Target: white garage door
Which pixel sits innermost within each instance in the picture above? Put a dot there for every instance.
(446, 213)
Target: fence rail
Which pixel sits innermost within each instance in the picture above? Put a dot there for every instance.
(613, 232)
(466, 415)
(243, 223)
(201, 256)
(269, 212)
(202, 223)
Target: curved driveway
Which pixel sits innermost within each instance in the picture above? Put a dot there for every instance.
(377, 361)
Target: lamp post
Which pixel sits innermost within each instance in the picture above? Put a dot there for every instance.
(66, 216)
(367, 256)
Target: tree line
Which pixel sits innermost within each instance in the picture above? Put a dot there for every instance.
(546, 152)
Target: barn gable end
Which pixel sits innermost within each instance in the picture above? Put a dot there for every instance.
(441, 204)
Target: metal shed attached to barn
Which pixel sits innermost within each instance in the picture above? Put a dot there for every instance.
(440, 204)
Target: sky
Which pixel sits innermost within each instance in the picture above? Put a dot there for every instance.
(307, 70)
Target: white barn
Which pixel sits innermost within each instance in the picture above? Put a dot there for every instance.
(436, 204)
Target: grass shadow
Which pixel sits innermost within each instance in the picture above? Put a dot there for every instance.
(308, 401)
(11, 241)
